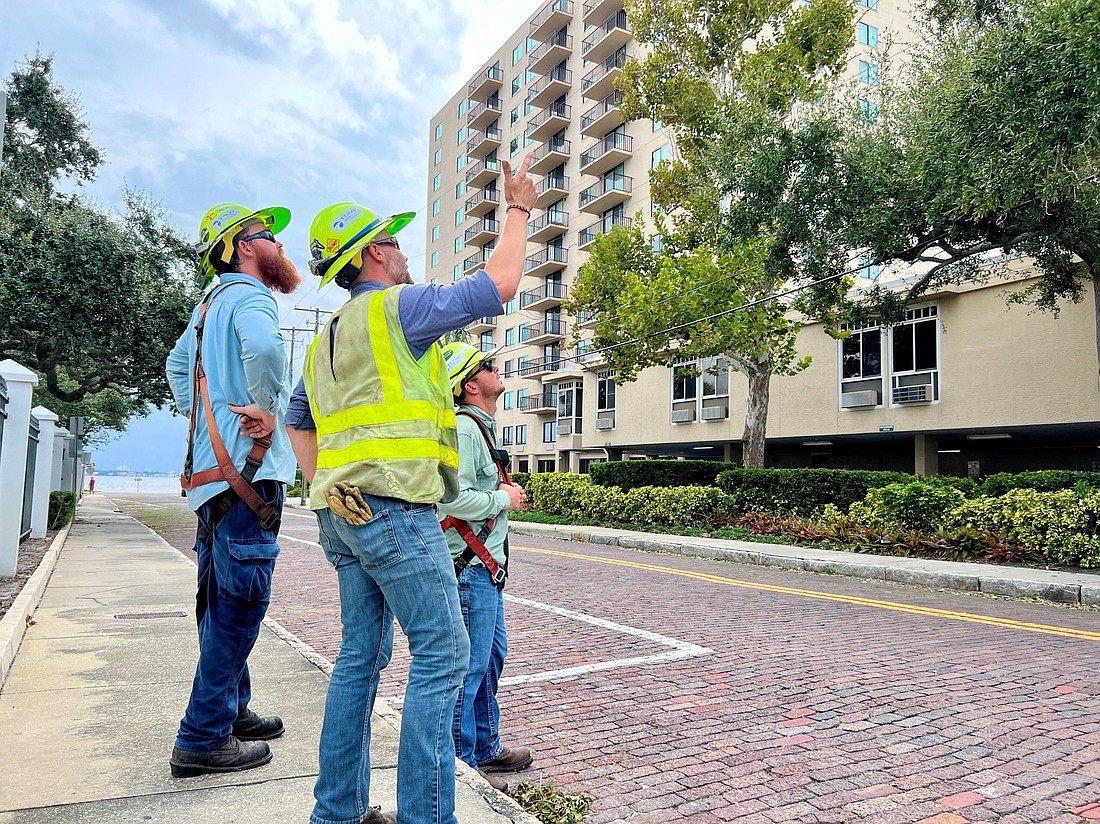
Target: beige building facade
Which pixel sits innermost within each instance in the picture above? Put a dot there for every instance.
(966, 385)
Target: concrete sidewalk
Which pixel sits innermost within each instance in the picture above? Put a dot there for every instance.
(1014, 582)
(90, 708)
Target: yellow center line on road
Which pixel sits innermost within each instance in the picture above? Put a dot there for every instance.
(1006, 623)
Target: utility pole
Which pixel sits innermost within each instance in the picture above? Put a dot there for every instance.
(308, 334)
(317, 312)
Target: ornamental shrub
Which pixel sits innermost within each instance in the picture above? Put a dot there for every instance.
(628, 475)
(556, 493)
(575, 496)
(1063, 525)
(913, 506)
(521, 478)
(1047, 480)
(800, 491)
(61, 509)
(677, 506)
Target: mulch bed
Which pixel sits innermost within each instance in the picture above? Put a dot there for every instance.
(31, 552)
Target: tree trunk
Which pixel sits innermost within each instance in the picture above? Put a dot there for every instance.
(1095, 278)
(759, 374)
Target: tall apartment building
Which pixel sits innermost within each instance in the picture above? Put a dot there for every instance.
(964, 385)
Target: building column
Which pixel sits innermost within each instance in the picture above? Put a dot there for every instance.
(13, 460)
(43, 470)
(926, 454)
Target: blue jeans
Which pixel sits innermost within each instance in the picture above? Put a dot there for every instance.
(476, 727)
(236, 558)
(398, 565)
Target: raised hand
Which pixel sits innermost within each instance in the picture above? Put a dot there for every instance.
(519, 189)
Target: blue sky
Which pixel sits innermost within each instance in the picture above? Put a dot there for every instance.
(261, 102)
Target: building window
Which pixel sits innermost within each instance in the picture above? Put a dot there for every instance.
(510, 336)
(570, 404)
(462, 104)
(684, 381)
(868, 4)
(868, 35)
(509, 400)
(517, 82)
(437, 158)
(460, 189)
(462, 134)
(521, 398)
(435, 259)
(461, 162)
(506, 436)
(513, 116)
(861, 352)
(435, 208)
(458, 245)
(435, 234)
(915, 357)
(605, 391)
(868, 268)
(868, 73)
(714, 373)
(513, 147)
(457, 273)
(460, 215)
(517, 53)
(486, 341)
(549, 435)
(510, 306)
(868, 110)
(660, 155)
(657, 243)
(436, 183)
(438, 131)
(521, 435)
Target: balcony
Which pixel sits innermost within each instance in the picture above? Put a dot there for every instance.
(547, 55)
(550, 86)
(599, 9)
(545, 331)
(481, 173)
(550, 18)
(607, 38)
(600, 82)
(540, 366)
(547, 296)
(482, 203)
(600, 227)
(587, 319)
(483, 143)
(474, 262)
(542, 402)
(545, 262)
(599, 197)
(481, 114)
(551, 189)
(612, 150)
(603, 117)
(549, 154)
(548, 122)
(483, 231)
(482, 325)
(546, 226)
(489, 81)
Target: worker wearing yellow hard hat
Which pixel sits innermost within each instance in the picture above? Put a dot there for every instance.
(340, 233)
(220, 223)
(463, 361)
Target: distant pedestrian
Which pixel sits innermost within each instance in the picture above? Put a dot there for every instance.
(91, 485)
(377, 438)
(227, 373)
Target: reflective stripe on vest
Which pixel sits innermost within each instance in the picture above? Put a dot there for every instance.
(385, 421)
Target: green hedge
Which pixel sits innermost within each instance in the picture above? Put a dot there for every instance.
(800, 491)
(61, 510)
(1047, 480)
(629, 475)
(521, 478)
(913, 506)
(575, 496)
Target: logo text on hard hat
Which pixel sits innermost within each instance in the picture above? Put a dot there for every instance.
(346, 217)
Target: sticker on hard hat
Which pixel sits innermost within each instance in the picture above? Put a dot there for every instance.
(332, 244)
(346, 217)
(225, 217)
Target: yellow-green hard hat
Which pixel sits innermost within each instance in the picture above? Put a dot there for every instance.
(226, 218)
(342, 229)
(462, 361)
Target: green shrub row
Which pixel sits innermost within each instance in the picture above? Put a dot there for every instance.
(576, 496)
(800, 491)
(1047, 480)
(61, 509)
(629, 475)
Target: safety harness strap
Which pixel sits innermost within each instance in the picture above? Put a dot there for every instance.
(239, 481)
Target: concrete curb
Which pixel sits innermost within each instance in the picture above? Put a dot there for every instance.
(14, 623)
(1013, 582)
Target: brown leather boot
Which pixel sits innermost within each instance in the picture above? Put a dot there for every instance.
(509, 760)
(376, 816)
(496, 782)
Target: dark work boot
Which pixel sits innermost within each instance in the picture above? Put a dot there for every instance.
(509, 760)
(234, 756)
(498, 783)
(376, 816)
(252, 727)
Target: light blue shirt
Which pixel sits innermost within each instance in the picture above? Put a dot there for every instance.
(245, 363)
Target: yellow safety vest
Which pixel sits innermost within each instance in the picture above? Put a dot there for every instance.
(385, 420)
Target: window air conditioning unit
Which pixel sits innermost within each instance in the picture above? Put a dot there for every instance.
(913, 394)
(715, 413)
(605, 423)
(565, 428)
(855, 400)
(683, 415)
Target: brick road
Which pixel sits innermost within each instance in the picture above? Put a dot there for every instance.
(799, 697)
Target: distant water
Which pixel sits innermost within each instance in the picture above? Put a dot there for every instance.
(135, 483)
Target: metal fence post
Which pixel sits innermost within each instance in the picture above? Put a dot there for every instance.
(13, 461)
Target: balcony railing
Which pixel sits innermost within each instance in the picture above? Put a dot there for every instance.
(484, 201)
(482, 230)
(474, 262)
(614, 32)
(551, 292)
(548, 121)
(548, 154)
(602, 117)
(554, 83)
(547, 225)
(553, 257)
(596, 9)
(550, 188)
(612, 149)
(482, 172)
(544, 401)
(482, 325)
(550, 18)
(606, 193)
(492, 77)
(539, 366)
(482, 112)
(600, 227)
(550, 53)
(542, 331)
(483, 142)
(594, 82)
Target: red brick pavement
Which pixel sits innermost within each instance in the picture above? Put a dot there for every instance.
(806, 710)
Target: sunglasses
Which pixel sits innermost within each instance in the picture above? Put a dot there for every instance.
(386, 241)
(266, 234)
(486, 366)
